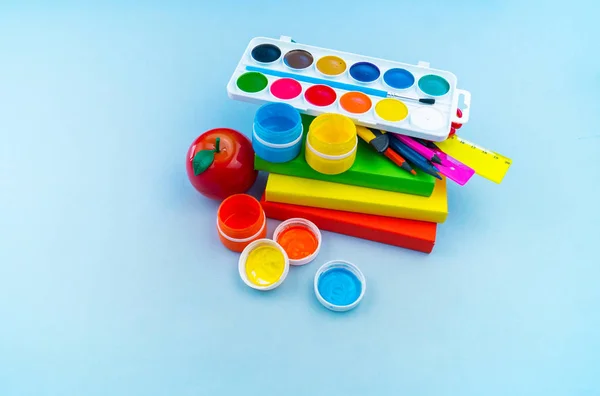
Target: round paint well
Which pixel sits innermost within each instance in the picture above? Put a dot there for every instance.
(331, 65)
(300, 238)
(298, 59)
(356, 102)
(364, 72)
(320, 95)
(266, 53)
(427, 118)
(433, 85)
(339, 285)
(263, 265)
(399, 78)
(252, 82)
(391, 110)
(286, 89)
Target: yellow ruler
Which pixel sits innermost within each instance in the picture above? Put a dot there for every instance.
(484, 162)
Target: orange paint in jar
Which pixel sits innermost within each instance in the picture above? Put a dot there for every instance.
(300, 238)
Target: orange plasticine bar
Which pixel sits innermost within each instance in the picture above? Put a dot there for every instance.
(409, 234)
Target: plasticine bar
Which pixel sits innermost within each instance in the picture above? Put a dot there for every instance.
(370, 169)
(321, 194)
(409, 234)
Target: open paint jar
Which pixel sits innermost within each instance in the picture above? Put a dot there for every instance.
(263, 265)
(300, 238)
(240, 221)
(331, 144)
(277, 134)
(339, 285)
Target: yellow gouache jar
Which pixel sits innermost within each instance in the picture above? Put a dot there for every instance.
(331, 144)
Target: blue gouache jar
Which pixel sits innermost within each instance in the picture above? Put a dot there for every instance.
(339, 285)
(277, 132)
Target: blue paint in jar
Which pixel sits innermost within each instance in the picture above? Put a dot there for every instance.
(364, 72)
(339, 285)
(277, 134)
(399, 78)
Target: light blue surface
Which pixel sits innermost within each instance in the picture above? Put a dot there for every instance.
(112, 279)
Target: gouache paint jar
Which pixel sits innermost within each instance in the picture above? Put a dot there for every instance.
(277, 132)
(240, 221)
(331, 144)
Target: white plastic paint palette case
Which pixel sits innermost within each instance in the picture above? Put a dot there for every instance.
(427, 121)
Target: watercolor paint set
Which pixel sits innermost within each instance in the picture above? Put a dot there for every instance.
(413, 100)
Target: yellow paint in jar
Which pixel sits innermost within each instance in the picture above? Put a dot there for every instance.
(265, 265)
(331, 144)
(391, 110)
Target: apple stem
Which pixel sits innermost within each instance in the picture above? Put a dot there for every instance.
(217, 144)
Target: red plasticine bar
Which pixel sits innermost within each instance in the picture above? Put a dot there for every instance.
(409, 234)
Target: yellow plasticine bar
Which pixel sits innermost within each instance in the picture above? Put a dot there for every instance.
(484, 162)
(328, 195)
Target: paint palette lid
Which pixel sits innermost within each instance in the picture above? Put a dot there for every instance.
(339, 285)
(263, 265)
(300, 238)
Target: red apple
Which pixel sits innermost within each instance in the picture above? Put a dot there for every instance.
(220, 163)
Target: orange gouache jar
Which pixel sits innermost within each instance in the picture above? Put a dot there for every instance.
(240, 221)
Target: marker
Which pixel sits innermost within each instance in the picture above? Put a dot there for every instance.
(381, 143)
(338, 85)
(427, 143)
(426, 152)
(414, 158)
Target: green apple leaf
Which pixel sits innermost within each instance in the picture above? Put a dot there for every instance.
(202, 160)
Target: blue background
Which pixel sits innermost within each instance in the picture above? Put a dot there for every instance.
(112, 279)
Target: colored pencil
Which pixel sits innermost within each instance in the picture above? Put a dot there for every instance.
(398, 160)
(448, 166)
(413, 157)
(338, 85)
(380, 142)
